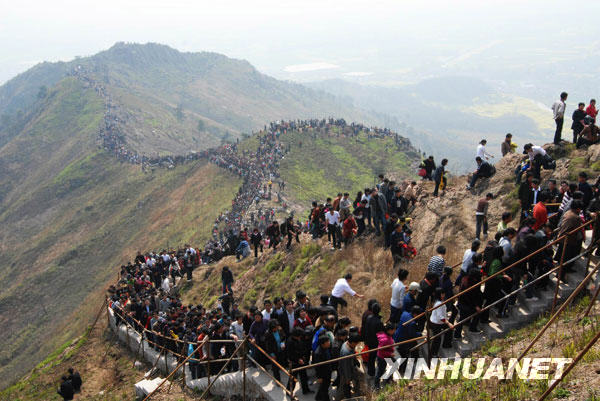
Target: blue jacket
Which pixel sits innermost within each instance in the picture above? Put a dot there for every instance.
(406, 332)
(407, 303)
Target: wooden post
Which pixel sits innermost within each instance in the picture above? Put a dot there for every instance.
(592, 301)
(558, 275)
(571, 366)
(244, 375)
(559, 311)
(427, 327)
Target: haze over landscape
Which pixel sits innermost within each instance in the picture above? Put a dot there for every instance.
(515, 56)
(137, 125)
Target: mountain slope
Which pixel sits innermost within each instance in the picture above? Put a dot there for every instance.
(69, 212)
(170, 102)
(452, 114)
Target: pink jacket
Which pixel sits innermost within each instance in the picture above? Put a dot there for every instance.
(384, 339)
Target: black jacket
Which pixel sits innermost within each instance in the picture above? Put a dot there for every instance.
(295, 349)
(285, 323)
(323, 371)
(66, 390)
(373, 325)
(75, 380)
(525, 195)
(227, 277)
(255, 238)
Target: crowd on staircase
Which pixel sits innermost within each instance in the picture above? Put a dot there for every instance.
(296, 332)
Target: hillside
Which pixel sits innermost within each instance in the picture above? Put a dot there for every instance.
(448, 116)
(170, 102)
(70, 213)
(312, 266)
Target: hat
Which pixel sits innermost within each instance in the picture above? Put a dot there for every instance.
(414, 286)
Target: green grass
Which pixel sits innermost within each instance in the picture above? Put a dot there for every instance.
(322, 166)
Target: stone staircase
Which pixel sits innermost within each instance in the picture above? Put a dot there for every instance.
(260, 386)
(524, 312)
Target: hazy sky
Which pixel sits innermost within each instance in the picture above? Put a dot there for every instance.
(385, 42)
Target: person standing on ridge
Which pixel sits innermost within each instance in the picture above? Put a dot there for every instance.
(481, 221)
(578, 121)
(429, 166)
(558, 110)
(507, 147)
(438, 175)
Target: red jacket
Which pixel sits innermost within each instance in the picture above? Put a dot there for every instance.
(348, 227)
(540, 214)
(591, 111)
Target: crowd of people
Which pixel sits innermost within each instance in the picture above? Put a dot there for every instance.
(296, 333)
(585, 130)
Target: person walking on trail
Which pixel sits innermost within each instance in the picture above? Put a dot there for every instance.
(481, 221)
(342, 287)
(437, 262)
(273, 232)
(558, 110)
(438, 320)
(378, 211)
(398, 293)
(226, 279)
(348, 370)
(540, 213)
(333, 228)
(75, 379)
(373, 324)
(256, 240)
(429, 166)
(65, 389)
(570, 222)
(410, 194)
(507, 146)
(384, 338)
(481, 152)
(349, 230)
(323, 372)
(295, 350)
(438, 175)
(578, 121)
(484, 170)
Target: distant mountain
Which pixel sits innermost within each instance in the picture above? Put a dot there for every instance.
(71, 213)
(173, 102)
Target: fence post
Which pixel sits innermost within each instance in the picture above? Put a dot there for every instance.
(571, 366)
(559, 274)
(244, 374)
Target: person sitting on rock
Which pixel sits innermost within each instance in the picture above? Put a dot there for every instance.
(589, 135)
(484, 170)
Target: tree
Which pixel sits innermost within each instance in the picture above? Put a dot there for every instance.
(201, 126)
(42, 92)
(179, 112)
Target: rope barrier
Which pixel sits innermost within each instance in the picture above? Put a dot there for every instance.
(478, 285)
